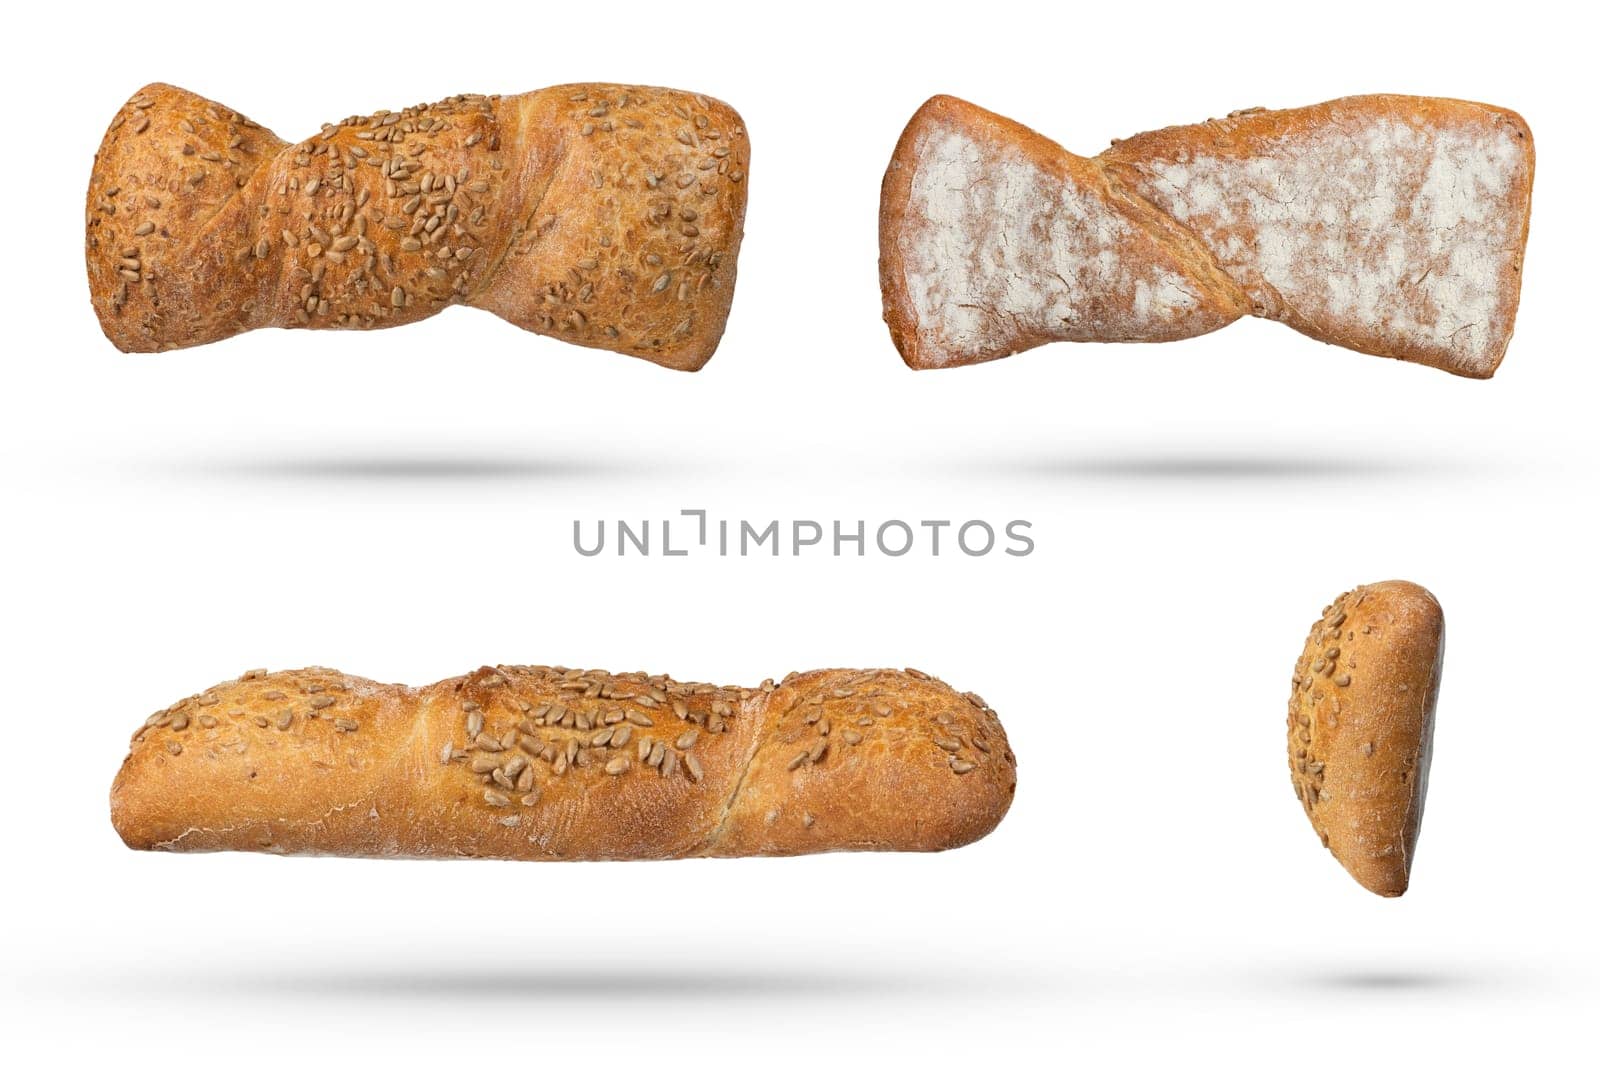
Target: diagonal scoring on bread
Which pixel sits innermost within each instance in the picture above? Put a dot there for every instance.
(547, 763)
(1391, 225)
(605, 215)
(1361, 713)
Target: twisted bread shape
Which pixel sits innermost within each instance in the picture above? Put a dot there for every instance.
(608, 216)
(545, 763)
(1392, 225)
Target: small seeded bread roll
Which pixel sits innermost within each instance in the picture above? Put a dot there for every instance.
(1361, 727)
(547, 763)
(605, 215)
(1391, 225)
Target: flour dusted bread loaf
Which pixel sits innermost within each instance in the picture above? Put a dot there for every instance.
(1392, 225)
(546, 763)
(605, 215)
(1361, 727)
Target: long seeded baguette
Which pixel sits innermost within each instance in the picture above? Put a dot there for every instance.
(1361, 711)
(605, 215)
(1392, 225)
(546, 763)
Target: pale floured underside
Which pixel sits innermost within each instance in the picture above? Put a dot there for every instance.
(1370, 224)
(1001, 254)
(1386, 232)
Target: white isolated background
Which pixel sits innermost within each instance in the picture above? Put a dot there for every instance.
(399, 504)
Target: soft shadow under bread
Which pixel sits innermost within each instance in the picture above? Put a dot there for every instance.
(1262, 464)
(398, 467)
(623, 982)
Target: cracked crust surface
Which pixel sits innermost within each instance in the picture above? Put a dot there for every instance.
(1361, 713)
(608, 216)
(1391, 225)
(546, 763)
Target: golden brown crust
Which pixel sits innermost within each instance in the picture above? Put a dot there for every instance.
(545, 763)
(870, 760)
(1391, 225)
(608, 216)
(1361, 711)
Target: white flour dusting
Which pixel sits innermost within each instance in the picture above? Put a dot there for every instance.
(1396, 232)
(1012, 254)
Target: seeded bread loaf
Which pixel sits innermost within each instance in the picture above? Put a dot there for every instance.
(1391, 225)
(605, 215)
(1361, 727)
(546, 763)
